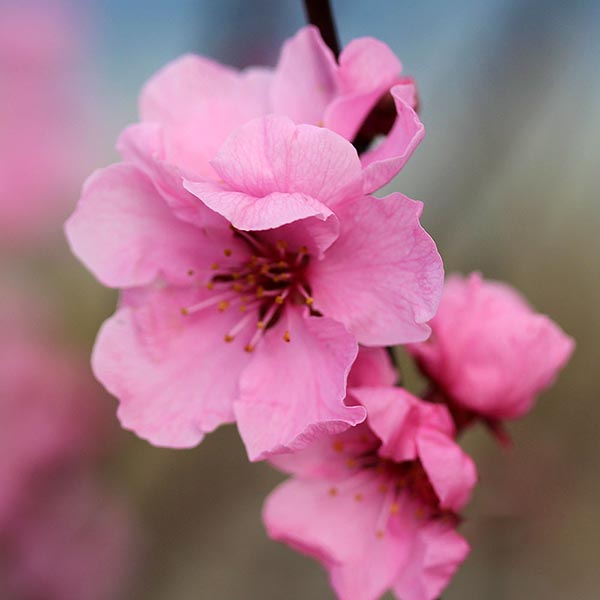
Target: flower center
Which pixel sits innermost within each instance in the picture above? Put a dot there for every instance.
(259, 283)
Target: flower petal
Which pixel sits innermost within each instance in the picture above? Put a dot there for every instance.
(436, 554)
(174, 375)
(339, 532)
(200, 102)
(383, 163)
(368, 69)
(372, 367)
(383, 276)
(276, 172)
(126, 235)
(305, 79)
(451, 471)
(292, 393)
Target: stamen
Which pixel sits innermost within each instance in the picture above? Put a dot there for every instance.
(220, 300)
(238, 327)
(286, 337)
(191, 272)
(308, 299)
(227, 252)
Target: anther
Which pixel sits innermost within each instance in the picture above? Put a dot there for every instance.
(261, 324)
(185, 311)
(333, 491)
(338, 445)
(379, 534)
(419, 513)
(248, 348)
(190, 272)
(286, 336)
(210, 285)
(214, 266)
(279, 299)
(228, 338)
(383, 488)
(350, 463)
(223, 306)
(394, 508)
(358, 497)
(227, 252)
(310, 301)
(237, 287)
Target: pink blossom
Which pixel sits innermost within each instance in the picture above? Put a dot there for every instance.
(61, 536)
(490, 352)
(70, 540)
(192, 105)
(275, 294)
(40, 122)
(377, 504)
(49, 409)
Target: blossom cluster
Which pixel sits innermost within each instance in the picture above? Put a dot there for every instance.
(260, 283)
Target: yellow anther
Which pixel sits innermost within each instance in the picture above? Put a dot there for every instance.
(235, 275)
(310, 301)
(276, 278)
(237, 287)
(394, 508)
(260, 291)
(210, 285)
(338, 445)
(248, 348)
(286, 336)
(214, 266)
(227, 252)
(358, 497)
(251, 279)
(190, 272)
(282, 244)
(261, 324)
(282, 264)
(223, 305)
(303, 250)
(379, 534)
(228, 338)
(242, 308)
(333, 491)
(278, 299)
(185, 311)
(320, 124)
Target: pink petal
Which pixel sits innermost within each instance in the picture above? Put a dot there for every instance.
(450, 470)
(174, 375)
(305, 79)
(143, 145)
(372, 367)
(126, 235)
(292, 393)
(368, 69)
(200, 102)
(339, 532)
(435, 555)
(383, 276)
(275, 172)
(383, 162)
(250, 213)
(394, 416)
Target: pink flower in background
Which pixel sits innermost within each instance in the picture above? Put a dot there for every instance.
(40, 119)
(71, 540)
(50, 412)
(489, 351)
(377, 504)
(61, 536)
(192, 105)
(281, 306)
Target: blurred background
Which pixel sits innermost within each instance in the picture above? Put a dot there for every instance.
(508, 171)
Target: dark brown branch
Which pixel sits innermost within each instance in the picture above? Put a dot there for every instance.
(319, 14)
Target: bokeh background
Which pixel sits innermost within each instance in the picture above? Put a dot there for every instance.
(510, 176)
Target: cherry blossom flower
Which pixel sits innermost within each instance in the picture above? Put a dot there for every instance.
(62, 536)
(219, 314)
(490, 353)
(40, 121)
(193, 104)
(377, 504)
